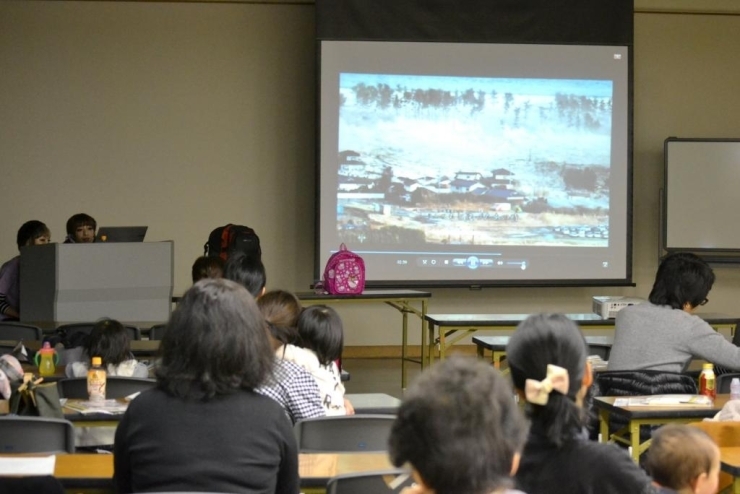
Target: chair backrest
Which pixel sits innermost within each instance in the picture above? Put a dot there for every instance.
(157, 331)
(344, 433)
(35, 435)
(6, 349)
(115, 387)
(19, 331)
(378, 482)
(724, 381)
(85, 327)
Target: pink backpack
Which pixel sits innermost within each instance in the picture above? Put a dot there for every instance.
(344, 273)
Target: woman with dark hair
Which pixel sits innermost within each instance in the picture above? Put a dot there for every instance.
(110, 341)
(204, 428)
(664, 334)
(31, 232)
(547, 357)
(459, 429)
(81, 229)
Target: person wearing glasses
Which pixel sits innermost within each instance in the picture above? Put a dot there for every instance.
(664, 333)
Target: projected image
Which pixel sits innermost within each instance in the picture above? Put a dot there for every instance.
(431, 160)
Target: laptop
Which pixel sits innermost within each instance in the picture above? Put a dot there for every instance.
(121, 234)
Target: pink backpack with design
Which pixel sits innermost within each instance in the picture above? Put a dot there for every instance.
(344, 273)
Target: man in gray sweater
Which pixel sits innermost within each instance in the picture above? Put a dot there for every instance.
(664, 334)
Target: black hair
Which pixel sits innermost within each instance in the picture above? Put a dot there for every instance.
(459, 427)
(538, 341)
(110, 341)
(682, 277)
(281, 310)
(207, 267)
(246, 270)
(30, 231)
(215, 343)
(678, 454)
(80, 219)
(320, 330)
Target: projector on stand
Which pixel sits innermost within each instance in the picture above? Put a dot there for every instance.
(607, 307)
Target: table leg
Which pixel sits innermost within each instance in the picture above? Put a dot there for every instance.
(634, 427)
(405, 347)
(604, 426)
(425, 342)
(479, 351)
(430, 327)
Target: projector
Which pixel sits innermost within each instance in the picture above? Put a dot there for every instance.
(607, 307)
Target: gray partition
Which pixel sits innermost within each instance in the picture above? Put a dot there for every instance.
(131, 282)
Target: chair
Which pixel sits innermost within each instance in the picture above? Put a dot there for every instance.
(344, 433)
(157, 331)
(85, 327)
(115, 387)
(724, 434)
(724, 381)
(19, 331)
(639, 383)
(378, 482)
(35, 435)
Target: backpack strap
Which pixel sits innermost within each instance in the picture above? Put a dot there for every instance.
(225, 242)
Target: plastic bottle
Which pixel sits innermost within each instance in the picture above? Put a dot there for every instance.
(735, 389)
(707, 381)
(96, 380)
(46, 359)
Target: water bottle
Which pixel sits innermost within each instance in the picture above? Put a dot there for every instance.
(46, 359)
(735, 389)
(96, 380)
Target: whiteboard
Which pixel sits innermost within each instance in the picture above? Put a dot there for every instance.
(702, 182)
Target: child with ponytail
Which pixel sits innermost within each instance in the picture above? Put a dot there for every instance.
(547, 357)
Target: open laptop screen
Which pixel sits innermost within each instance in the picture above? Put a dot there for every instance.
(121, 234)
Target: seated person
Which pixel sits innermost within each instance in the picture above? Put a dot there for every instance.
(110, 341)
(207, 267)
(683, 459)
(81, 229)
(248, 272)
(459, 429)
(30, 233)
(664, 334)
(289, 384)
(548, 360)
(282, 311)
(204, 428)
(320, 332)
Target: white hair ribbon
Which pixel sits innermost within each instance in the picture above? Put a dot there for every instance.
(538, 392)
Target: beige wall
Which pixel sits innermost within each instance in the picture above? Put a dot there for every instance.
(184, 116)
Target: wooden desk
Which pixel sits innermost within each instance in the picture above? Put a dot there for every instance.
(91, 471)
(401, 300)
(497, 346)
(650, 415)
(730, 457)
(442, 327)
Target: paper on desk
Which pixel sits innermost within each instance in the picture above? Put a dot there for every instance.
(27, 465)
(663, 400)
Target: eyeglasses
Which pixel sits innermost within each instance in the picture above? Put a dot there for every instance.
(704, 302)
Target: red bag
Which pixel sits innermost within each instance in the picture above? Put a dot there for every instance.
(344, 273)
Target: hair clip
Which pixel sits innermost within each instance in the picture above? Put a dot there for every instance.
(538, 392)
